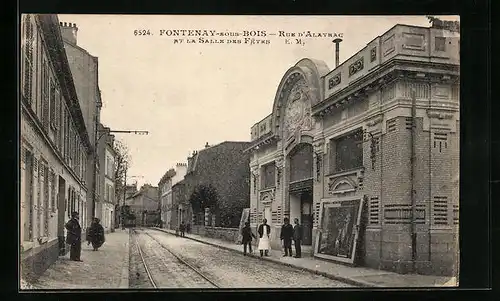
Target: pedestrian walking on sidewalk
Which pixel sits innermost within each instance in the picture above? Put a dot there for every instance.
(264, 231)
(182, 229)
(96, 234)
(297, 238)
(247, 234)
(188, 228)
(74, 237)
(286, 236)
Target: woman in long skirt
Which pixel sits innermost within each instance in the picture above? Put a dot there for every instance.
(264, 231)
(96, 234)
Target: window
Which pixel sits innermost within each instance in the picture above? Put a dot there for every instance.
(28, 61)
(52, 104)
(28, 196)
(268, 176)
(301, 165)
(45, 94)
(346, 152)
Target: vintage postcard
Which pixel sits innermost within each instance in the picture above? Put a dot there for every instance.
(252, 152)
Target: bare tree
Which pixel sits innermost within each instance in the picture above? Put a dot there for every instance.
(122, 163)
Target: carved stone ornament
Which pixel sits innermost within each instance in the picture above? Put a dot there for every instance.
(375, 121)
(298, 110)
(267, 196)
(341, 185)
(439, 115)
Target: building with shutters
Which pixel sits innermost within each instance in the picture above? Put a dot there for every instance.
(54, 145)
(169, 208)
(105, 193)
(366, 155)
(85, 72)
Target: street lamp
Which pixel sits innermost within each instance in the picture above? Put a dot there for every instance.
(96, 156)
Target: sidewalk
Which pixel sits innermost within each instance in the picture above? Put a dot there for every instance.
(106, 268)
(358, 276)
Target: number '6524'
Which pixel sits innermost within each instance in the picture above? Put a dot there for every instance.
(142, 32)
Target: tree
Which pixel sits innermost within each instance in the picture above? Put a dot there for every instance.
(203, 196)
(122, 163)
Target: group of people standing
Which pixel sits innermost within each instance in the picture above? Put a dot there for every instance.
(95, 236)
(288, 234)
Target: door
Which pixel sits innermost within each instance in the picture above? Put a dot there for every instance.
(306, 220)
(61, 208)
(267, 215)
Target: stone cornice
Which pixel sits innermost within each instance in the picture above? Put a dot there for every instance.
(384, 75)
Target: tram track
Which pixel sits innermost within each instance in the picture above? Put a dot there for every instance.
(168, 264)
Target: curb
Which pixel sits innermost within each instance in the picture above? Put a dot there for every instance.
(359, 283)
(124, 282)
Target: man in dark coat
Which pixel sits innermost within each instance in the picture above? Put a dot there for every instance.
(96, 234)
(247, 234)
(74, 237)
(286, 236)
(297, 238)
(182, 229)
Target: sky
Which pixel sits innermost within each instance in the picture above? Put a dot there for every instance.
(188, 94)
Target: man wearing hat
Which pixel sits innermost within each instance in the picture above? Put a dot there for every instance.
(74, 237)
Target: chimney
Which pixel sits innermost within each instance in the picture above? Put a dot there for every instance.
(337, 50)
(181, 169)
(69, 31)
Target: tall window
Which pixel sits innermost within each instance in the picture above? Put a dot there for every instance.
(28, 60)
(52, 104)
(45, 94)
(301, 165)
(268, 176)
(28, 190)
(346, 152)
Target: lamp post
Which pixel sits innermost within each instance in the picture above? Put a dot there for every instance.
(96, 156)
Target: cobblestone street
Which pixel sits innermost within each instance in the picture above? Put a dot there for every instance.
(232, 270)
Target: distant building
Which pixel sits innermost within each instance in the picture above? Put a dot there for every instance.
(54, 145)
(366, 155)
(144, 204)
(224, 170)
(167, 207)
(106, 199)
(85, 72)
(181, 209)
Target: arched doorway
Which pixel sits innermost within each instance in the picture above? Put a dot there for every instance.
(300, 188)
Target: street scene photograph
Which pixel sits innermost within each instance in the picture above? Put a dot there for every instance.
(238, 151)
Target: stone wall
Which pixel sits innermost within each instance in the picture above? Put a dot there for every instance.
(227, 234)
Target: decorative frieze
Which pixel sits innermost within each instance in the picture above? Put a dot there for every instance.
(373, 54)
(414, 41)
(402, 214)
(334, 81)
(357, 66)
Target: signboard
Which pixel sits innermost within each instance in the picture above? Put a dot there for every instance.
(338, 235)
(245, 217)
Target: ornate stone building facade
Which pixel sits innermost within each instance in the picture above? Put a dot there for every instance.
(366, 156)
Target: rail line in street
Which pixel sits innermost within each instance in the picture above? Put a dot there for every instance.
(177, 257)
